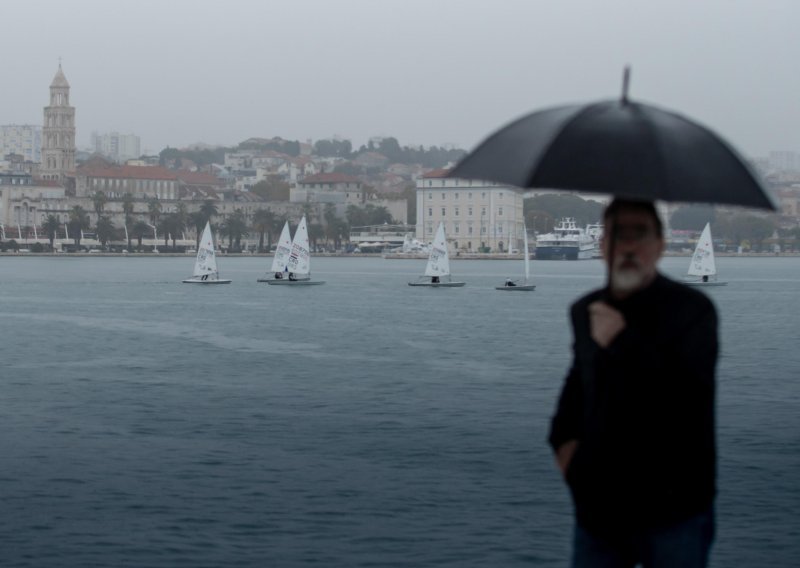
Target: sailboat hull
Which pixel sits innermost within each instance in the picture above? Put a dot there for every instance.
(198, 281)
(438, 284)
(287, 282)
(701, 283)
(525, 288)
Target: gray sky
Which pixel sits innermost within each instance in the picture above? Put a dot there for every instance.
(428, 72)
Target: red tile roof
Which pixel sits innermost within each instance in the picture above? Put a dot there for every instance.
(198, 178)
(440, 173)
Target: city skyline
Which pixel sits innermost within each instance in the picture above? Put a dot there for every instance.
(445, 73)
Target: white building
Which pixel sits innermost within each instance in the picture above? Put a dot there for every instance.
(22, 139)
(116, 146)
(478, 216)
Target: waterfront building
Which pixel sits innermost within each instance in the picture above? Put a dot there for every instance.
(26, 201)
(58, 133)
(23, 140)
(478, 216)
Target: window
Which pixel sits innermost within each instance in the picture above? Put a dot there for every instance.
(483, 211)
(501, 195)
(483, 230)
(430, 183)
(469, 195)
(456, 195)
(430, 211)
(499, 210)
(483, 195)
(456, 212)
(455, 228)
(469, 232)
(469, 211)
(430, 196)
(443, 212)
(442, 183)
(444, 195)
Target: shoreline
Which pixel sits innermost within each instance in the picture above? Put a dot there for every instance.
(466, 256)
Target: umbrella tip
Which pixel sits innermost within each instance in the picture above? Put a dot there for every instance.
(626, 78)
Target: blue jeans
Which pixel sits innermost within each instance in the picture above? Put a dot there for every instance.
(684, 545)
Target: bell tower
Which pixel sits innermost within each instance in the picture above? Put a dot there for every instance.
(58, 132)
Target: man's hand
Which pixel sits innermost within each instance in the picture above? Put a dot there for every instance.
(605, 323)
(564, 455)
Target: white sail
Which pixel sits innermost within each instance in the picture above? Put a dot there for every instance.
(525, 252)
(702, 263)
(438, 261)
(299, 261)
(206, 261)
(283, 250)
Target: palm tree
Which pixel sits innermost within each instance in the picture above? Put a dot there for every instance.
(209, 210)
(154, 209)
(78, 220)
(127, 208)
(263, 220)
(139, 230)
(236, 226)
(198, 220)
(171, 225)
(105, 230)
(99, 200)
(51, 225)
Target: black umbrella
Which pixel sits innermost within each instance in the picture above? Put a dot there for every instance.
(616, 147)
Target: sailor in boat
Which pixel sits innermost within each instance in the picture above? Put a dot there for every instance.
(434, 279)
(705, 277)
(278, 275)
(510, 282)
(292, 277)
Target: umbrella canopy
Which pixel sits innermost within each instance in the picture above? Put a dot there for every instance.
(616, 147)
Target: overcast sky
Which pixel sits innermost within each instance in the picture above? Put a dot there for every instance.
(428, 72)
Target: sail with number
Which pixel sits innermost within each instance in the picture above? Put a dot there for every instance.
(206, 261)
(438, 261)
(702, 263)
(299, 261)
(282, 250)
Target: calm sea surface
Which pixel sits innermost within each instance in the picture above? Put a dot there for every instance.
(145, 422)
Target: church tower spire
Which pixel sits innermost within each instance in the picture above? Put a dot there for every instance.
(58, 132)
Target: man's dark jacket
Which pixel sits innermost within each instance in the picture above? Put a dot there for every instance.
(642, 410)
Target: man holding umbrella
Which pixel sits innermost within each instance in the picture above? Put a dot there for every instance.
(634, 428)
(633, 433)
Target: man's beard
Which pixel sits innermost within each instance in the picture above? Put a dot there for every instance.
(627, 276)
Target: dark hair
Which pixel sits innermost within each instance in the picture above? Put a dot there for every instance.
(644, 206)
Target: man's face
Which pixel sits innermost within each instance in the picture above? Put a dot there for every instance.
(636, 250)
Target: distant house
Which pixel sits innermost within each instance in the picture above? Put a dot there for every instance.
(336, 188)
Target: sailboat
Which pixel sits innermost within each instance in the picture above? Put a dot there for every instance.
(298, 265)
(437, 272)
(281, 258)
(514, 285)
(205, 265)
(702, 268)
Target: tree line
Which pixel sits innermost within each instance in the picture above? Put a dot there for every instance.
(327, 228)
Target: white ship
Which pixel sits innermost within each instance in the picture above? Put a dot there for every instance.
(566, 242)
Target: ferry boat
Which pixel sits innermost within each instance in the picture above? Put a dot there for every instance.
(566, 242)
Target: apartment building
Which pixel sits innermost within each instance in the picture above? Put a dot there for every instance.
(478, 216)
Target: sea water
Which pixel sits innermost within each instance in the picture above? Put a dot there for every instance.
(364, 422)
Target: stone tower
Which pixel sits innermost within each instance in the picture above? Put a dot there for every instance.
(58, 132)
